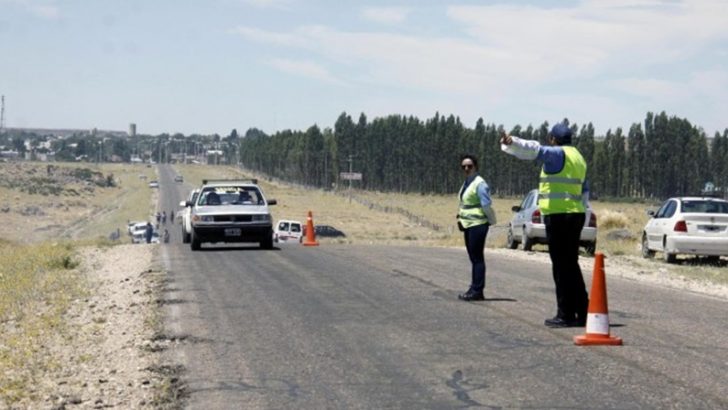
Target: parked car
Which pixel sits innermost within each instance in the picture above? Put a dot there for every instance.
(687, 225)
(326, 231)
(179, 178)
(134, 225)
(141, 237)
(184, 215)
(231, 211)
(527, 226)
(288, 231)
(153, 184)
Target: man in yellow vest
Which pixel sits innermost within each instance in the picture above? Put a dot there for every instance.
(563, 196)
(475, 215)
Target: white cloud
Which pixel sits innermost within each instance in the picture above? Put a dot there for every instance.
(303, 68)
(270, 4)
(267, 37)
(44, 9)
(386, 15)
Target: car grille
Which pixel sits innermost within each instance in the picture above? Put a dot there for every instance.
(233, 218)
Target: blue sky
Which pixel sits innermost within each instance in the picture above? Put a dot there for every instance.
(211, 66)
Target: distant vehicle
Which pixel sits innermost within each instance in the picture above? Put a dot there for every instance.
(687, 225)
(134, 225)
(141, 237)
(326, 231)
(184, 215)
(527, 226)
(231, 211)
(179, 178)
(288, 231)
(153, 184)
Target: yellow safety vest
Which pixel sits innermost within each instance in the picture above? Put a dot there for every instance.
(471, 211)
(560, 193)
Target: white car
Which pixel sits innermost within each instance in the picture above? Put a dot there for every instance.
(153, 184)
(231, 211)
(288, 231)
(141, 237)
(134, 225)
(687, 225)
(184, 215)
(527, 226)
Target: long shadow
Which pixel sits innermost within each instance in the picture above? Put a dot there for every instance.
(238, 248)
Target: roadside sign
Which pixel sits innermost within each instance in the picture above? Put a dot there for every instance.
(351, 176)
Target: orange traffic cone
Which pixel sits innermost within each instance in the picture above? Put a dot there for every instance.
(597, 320)
(310, 234)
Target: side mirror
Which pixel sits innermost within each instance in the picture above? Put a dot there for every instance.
(183, 204)
(651, 212)
(272, 202)
(516, 208)
(189, 203)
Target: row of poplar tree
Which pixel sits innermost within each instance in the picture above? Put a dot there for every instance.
(662, 157)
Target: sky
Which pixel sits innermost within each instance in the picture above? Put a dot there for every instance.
(210, 66)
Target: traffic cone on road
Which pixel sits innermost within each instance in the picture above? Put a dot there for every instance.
(310, 234)
(597, 319)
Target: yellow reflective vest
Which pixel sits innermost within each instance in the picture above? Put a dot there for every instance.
(471, 211)
(560, 193)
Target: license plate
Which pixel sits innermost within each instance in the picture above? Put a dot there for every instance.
(232, 231)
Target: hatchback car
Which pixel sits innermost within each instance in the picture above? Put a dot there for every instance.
(687, 225)
(527, 226)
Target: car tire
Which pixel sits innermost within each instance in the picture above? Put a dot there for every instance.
(267, 243)
(646, 252)
(527, 242)
(195, 243)
(512, 242)
(591, 248)
(185, 236)
(670, 257)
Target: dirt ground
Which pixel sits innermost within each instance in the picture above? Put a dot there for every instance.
(109, 356)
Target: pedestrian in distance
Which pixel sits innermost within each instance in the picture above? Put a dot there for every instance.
(171, 216)
(475, 215)
(166, 235)
(148, 232)
(563, 200)
(164, 217)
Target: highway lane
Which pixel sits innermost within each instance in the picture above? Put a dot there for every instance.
(380, 327)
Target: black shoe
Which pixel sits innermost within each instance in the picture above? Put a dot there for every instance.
(561, 322)
(471, 296)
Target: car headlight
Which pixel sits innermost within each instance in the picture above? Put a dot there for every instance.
(203, 218)
(261, 218)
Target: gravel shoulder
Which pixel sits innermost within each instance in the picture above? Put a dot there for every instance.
(107, 357)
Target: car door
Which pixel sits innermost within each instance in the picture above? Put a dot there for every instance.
(524, 215)
(656, 228)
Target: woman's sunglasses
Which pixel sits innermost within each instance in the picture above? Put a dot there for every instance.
(466, 166)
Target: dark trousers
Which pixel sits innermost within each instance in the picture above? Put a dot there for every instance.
(475, 244)
(563, 232)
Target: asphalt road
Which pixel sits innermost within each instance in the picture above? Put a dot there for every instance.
(343, 326)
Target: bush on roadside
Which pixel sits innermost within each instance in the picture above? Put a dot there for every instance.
(612, 220)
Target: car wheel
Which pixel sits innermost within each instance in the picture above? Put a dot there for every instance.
(195, 243)
(267, 243)
(646, 252)
(591, 248)
(527, 242)
(185, 236)
(670, 257)
(512, 242)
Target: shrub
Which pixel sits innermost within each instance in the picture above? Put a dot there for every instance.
(612, 220)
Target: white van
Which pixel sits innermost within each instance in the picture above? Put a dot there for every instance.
(288, 231)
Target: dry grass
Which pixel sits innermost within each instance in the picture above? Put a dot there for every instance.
(37, 283)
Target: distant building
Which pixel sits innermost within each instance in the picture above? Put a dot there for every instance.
(132, 130)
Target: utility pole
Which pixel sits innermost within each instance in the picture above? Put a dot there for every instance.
(2, 114)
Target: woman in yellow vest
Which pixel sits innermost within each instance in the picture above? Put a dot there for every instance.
(562, 199)
(474, 217)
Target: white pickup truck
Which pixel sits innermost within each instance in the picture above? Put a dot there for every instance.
(184, 215)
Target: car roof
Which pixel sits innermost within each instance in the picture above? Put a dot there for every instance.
(698, 198)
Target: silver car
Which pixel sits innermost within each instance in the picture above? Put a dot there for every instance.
(527, 226)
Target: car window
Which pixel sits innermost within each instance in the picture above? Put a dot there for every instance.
(231, 195)
(295, 228)
(283, 226)
(526, 201)
(670, 209)
(704, 206)
(661, 212)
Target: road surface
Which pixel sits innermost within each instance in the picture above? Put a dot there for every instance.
(350, 326)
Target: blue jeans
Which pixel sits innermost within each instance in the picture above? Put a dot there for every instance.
(475, 245)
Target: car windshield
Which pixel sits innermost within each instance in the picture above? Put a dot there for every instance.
(232, 195)
(704, 206)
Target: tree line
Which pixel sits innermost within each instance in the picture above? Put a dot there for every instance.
(664, 156)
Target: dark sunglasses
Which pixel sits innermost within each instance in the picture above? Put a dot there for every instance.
(466, 166)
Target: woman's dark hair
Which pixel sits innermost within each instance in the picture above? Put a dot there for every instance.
(470, 157)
